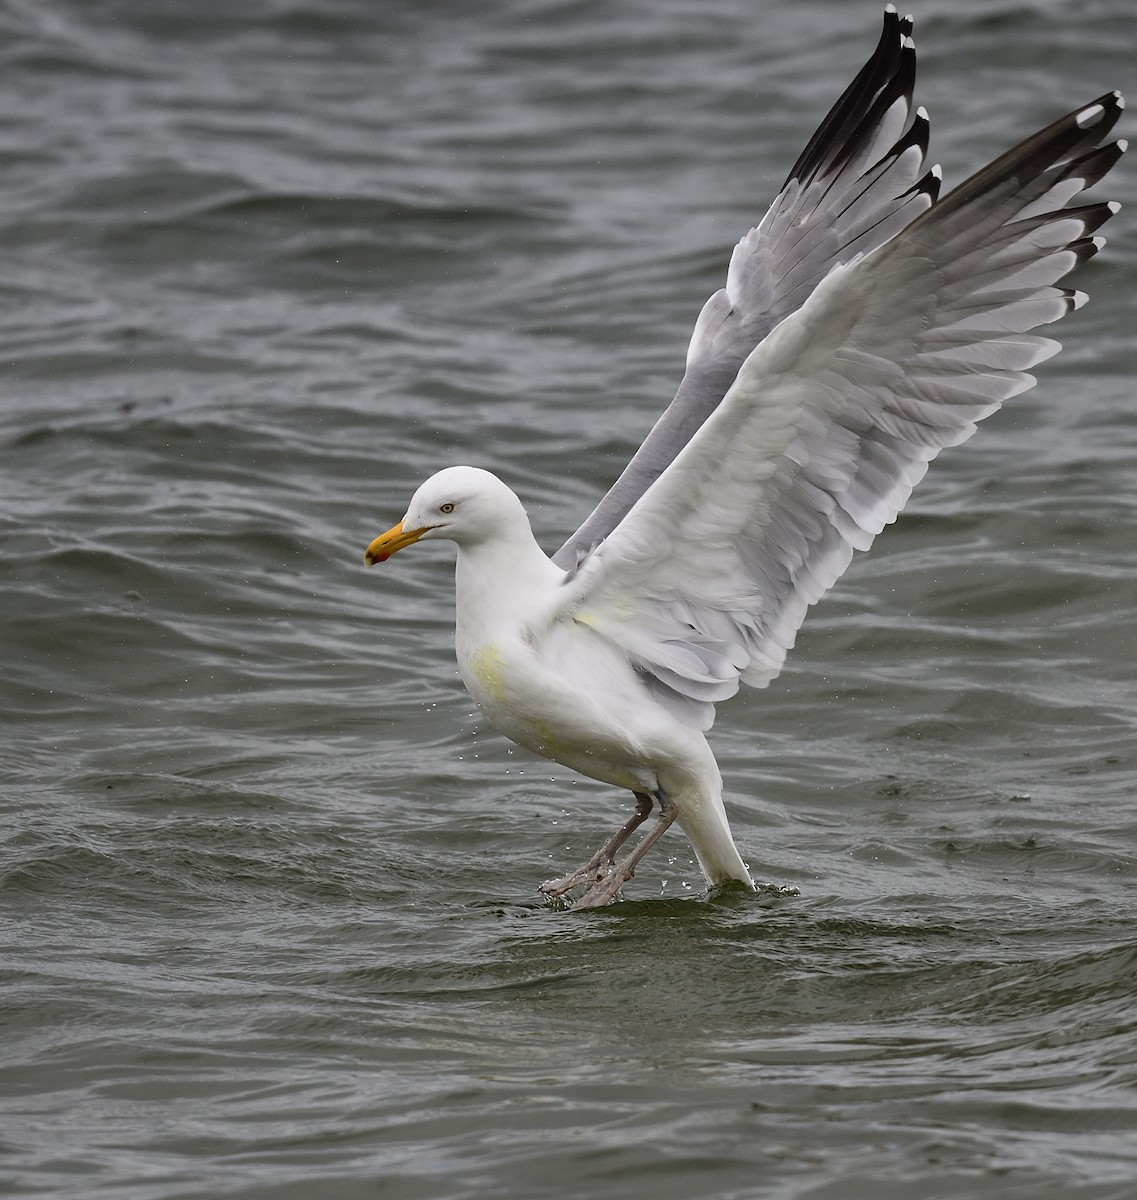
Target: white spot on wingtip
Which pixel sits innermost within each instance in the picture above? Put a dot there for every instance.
(938, 172)
(1089, 115)
(1078, 299)
(907, 42)
(1123, 144)
(890, 8)
(922, 112)
(1098, 242)
(1113, 207)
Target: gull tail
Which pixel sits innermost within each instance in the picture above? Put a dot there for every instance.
(703, 819)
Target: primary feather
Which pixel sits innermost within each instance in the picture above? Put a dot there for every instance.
(860, 180)
(833, 418)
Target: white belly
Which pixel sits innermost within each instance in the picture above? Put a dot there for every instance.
(594, 716)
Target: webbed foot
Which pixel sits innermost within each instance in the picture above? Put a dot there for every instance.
(603, 888)
(596, 870)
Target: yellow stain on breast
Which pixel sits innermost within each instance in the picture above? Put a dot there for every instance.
(552, 745)
(524, 723)
(488, 666)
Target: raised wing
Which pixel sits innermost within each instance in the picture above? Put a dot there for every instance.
(835, 416)
(859, 181)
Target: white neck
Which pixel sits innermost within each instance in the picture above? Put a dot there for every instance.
(497, 580)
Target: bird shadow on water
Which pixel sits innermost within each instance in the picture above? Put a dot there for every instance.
(730, 891)
(740, 965)
(730, 953)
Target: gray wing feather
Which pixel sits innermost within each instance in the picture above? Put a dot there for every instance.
(859, 181)
(834, 418)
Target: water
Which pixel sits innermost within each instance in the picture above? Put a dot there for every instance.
(268, 885)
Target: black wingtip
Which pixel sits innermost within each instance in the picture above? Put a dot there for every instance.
(891, 67)
(1100, 114)
(1024, 176)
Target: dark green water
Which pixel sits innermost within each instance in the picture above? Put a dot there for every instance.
(268, 887)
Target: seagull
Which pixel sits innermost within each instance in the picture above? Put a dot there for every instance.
(866, 324)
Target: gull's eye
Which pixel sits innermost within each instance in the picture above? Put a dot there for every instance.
(446, 508)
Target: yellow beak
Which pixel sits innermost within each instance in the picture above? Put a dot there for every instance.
(391, 542)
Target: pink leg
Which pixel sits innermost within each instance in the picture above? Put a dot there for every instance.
(604, 890)
(604, 859)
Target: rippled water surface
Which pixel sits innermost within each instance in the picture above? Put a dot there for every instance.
(270, 924)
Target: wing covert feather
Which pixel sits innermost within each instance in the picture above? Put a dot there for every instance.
(834, 418)
(860, 180)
